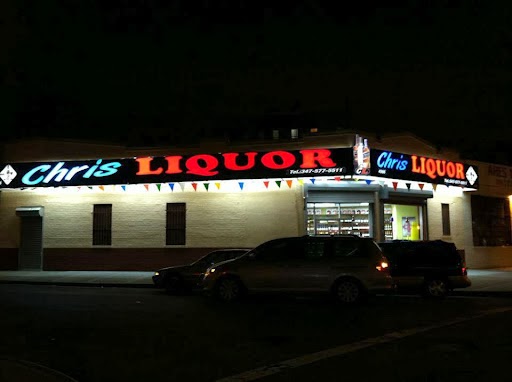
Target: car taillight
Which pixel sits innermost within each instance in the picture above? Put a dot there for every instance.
(464, 271)
(382, 266)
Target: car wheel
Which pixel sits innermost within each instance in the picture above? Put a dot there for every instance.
(229, 289)
(173, 284)
(435, 288)
(348, 291)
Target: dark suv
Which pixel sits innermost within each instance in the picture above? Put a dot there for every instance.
(430, 267)
(348, 267)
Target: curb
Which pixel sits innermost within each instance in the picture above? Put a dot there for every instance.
(80, 284)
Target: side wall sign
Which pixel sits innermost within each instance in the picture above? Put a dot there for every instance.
(178, 168)
(419, 168)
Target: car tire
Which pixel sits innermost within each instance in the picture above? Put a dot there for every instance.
(173, 284)
(349, 291)
(229, 289)
(436, 288)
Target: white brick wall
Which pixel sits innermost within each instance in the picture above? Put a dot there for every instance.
(460, 219)
(214, 219)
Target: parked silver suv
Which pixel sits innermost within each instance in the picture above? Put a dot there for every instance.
(348, 267)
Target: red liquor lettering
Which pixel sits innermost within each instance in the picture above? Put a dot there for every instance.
(210, 165)
(436, 167)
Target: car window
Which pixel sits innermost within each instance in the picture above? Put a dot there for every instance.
(314, 248)
(281, 249)
(218, 256)
(346, 248)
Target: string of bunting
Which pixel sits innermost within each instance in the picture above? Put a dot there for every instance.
(241, 184)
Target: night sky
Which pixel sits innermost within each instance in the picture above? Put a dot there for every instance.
(110, 70)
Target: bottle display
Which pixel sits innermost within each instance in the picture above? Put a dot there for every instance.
(388, 222)
(338, 219)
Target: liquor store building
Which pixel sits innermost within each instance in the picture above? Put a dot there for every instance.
(109, 208)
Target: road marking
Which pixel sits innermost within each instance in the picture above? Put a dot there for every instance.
(293, 363)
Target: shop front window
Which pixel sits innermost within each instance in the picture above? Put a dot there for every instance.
(402, 222)
(339, 219)
(491, 221)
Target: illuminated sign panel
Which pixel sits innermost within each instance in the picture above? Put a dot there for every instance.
(418, 168)
(178, 168)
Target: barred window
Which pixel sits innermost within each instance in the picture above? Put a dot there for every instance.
(491, 221)
(102, 224)
(175, 226)
(445, 212)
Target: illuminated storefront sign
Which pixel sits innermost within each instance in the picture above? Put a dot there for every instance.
(423, 169)
(178, 168)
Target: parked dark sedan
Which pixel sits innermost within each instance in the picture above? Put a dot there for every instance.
(185, 278)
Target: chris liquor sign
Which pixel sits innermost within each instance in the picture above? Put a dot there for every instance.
(178, 168)
(419, 168)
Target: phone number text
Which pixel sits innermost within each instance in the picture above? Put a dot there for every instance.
(316, 171)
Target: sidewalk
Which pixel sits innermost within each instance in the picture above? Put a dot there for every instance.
(79, 278)
(485, 282)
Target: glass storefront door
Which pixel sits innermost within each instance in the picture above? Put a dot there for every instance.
(403, 222)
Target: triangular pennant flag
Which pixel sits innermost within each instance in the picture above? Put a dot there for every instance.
(171, 185)
(421, 185)
(381, 183)
(265, 183)
(312, 180)
(158, 186)
(289, 182)
(356, 179)
(395, 185)
(102, 188)
(408, 186)
(241, 184)
(217, 184)
(278, 182)
(206, 185)
(124, 188)
(182, 186)
(337, 178)
(195, 186)
(79, 188)
(147, 187)
(434, 186)
(301, 182)
(368, 181)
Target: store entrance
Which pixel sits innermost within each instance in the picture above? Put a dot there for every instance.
(403, 222)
